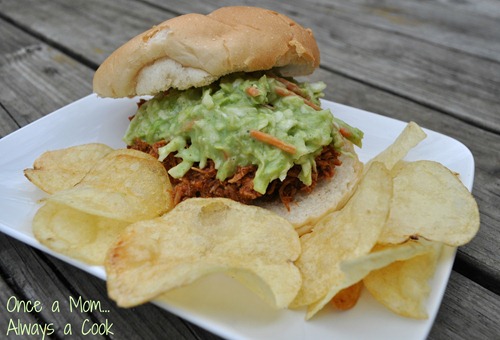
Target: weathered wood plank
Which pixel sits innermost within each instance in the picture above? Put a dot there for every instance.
(91, 30)
(418, 71)
(470, 27)
(37, 79)
(9, 323)
(463, 294)
(7, 123)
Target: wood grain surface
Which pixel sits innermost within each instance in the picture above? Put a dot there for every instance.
(434, 62)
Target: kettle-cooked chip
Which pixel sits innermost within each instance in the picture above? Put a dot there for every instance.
(346, 234)
(411, 135)
(71, 232)
(430, 201)
(202, 236)
(124, 187)
(403, 286)
(62, 169)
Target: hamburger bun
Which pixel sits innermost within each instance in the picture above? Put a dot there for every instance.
(194, 50)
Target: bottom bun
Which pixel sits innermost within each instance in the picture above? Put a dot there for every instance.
(329, 195)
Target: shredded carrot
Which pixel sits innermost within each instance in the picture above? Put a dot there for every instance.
(271, 140)
(252, 91)
(311, 104)
(344, 132)
(292, 87)
(282, 92)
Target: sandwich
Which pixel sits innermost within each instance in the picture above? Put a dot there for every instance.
(220, 106)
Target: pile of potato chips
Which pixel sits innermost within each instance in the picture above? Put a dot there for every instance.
(114, 207)
(390, 233)
(95, 193)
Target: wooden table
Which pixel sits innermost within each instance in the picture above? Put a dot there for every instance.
(434, 62)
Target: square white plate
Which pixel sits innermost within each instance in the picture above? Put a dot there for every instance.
(218, 303)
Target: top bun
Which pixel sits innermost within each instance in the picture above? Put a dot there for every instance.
(194, 50)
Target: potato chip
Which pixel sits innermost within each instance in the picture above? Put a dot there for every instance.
(202, 236)
(71, 232)
(346, 234)
(411, 135)
(383, 255)
(431, 202)
(354, 270)
(62, 169)
(403, 286)
(124, 187)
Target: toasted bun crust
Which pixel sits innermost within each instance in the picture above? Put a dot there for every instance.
(328, 196)
(194, 50)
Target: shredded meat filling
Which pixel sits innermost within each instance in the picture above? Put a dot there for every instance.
(203, 182)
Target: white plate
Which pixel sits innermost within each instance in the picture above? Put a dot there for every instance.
(217, 303)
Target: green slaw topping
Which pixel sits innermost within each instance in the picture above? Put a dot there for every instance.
(243, 119)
